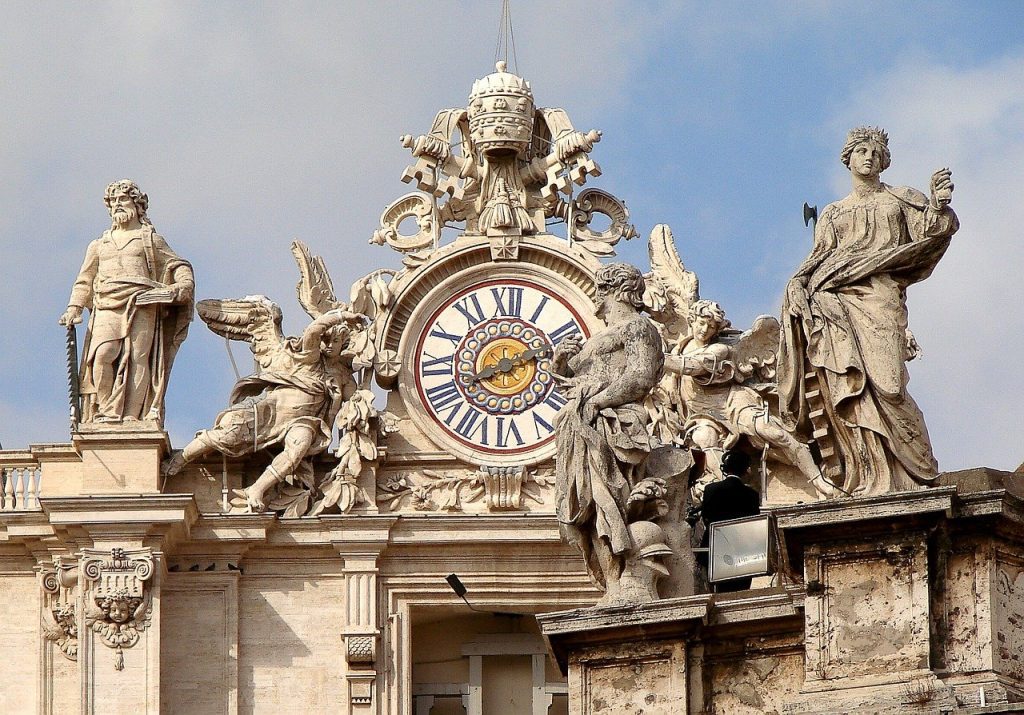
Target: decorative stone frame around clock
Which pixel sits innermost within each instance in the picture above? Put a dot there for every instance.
(543, 260)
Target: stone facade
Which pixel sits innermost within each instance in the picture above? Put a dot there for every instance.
(902, 605)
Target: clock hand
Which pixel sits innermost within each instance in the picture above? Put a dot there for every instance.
(531, 354)
(505, 365)
(487, 372)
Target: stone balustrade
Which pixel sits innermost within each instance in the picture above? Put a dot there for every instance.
(20, 477)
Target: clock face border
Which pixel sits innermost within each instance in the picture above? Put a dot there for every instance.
(442, 296)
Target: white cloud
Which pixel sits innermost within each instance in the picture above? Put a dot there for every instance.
(969, 316)
(248, 125)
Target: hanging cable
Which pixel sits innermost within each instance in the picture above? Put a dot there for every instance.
(506, 37)
(231, 357)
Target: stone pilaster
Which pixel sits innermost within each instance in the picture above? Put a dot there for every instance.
(360, 542)
(121, 542)
(60, 619)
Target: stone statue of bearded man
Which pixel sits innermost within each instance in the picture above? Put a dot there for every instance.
(139, 294)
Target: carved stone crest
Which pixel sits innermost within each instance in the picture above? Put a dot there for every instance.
(118, 609)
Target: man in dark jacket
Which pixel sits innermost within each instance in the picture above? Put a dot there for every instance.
(727, 499)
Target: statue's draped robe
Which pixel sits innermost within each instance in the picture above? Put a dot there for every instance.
(596, 469)
(265, 407)
(867, 250)
(113, 313)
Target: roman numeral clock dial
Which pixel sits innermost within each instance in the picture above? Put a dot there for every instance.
(483, 367)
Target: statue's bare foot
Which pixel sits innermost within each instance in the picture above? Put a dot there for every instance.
(254, 498)
(824, 488)
(173, 464)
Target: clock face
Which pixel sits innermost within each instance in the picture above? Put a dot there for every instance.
(483, 365)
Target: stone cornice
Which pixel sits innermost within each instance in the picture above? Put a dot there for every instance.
(165, 518)
(592, 626)
(515, 527)
(119, 438)
(865, 509)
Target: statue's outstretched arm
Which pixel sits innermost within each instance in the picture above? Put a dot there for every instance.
(81, 291)
(711, 365)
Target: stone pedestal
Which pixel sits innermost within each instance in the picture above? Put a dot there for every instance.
(119, 459)
(630, 659)
(867, 613)
(900, 603)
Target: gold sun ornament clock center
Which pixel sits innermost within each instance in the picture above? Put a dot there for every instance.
(511, 373)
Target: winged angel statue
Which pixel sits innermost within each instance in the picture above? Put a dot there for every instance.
(719, 382)
(304, 387)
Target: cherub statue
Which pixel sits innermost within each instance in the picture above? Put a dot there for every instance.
(302, 385)
(602, 434)
(722, 396)
(717, 381)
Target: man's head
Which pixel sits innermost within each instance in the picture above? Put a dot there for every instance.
(707, 319)
(126, 203)
(866, 144)
(735, 463)
(620, 283)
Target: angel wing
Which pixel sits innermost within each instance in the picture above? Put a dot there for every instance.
(51, 629)
(315, 290)
(254, 319)
(93, 616)
(755, 351)
(670, 287)
(143, 614)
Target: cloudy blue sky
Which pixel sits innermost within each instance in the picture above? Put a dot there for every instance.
(250, 124)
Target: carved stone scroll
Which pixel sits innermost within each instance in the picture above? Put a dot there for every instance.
(595, 201)
(412, 205)
(59, 617)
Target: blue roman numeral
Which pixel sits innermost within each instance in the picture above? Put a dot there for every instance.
(539, 422)
(540, 308)
(505, 434)
(563, 332)
(470, 423)
(442, 396)
(470, 309)
(437, 366)
(439, 332)
(508, 301)
(555, 400)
